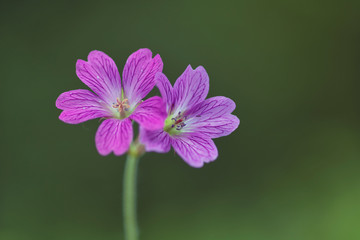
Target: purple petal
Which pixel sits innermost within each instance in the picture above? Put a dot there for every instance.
(166, 90)
(195, 149)
(212, 117)
(114, 135)
(212, 108)
(150, 114)
(217, 127)
(80, 105)
(101, 75)
(190, 88)
(139, 75)
(155, 141)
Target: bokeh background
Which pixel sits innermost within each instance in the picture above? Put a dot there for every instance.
(290, 171)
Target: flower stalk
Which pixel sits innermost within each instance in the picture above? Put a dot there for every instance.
(129, 191)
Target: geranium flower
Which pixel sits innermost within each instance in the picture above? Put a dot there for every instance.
(192, 121)
(109, 101)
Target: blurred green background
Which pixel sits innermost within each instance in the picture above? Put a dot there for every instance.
(290, 171)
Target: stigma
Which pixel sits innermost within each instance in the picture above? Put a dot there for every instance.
(178, 123)
(174, 125)
(121, 106)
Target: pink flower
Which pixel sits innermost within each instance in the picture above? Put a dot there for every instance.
(117, 105)
(192, 121)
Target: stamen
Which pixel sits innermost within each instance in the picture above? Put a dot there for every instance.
(121, 105)
(178, 121)
(180, 126)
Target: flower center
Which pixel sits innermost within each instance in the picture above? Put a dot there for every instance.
(178, 122)
(121, 106)
(175, 124)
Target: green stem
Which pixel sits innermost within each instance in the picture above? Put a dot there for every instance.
(129, 197)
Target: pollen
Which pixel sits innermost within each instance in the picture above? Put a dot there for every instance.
(174, 125)
(178, 121)
(121, 105)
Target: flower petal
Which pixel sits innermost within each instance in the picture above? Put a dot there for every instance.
(155, 141)
(195, 149)
(217, 127)
(101, 75)
(150, 114)
(211, 108)
(212, 117)
(190, 88)
(80, 105)
(166, 90)
(139, 75)
(114, 135)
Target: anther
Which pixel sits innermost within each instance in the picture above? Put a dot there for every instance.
(178, 121)
(121, 105)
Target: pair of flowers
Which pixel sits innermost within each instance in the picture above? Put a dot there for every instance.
(182, 118)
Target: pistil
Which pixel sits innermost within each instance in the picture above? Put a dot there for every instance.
(175, 123)
(121, 106)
